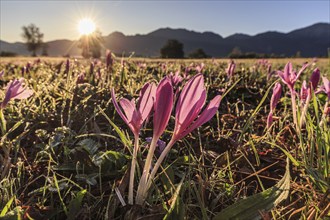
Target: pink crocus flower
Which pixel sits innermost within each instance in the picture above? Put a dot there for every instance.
(199, 68)
(67, 66)
(276, 96)
(304, 92)
(175, 79)
(15, 90)
(162, 107)
(190, 104)
(109, 60)
(231, 69)
(2, 73)
(80, 78)
(289, 76)
(325, 87)
(315, 78)
(133, 115)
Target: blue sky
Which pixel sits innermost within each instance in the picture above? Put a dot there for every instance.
(58, 19)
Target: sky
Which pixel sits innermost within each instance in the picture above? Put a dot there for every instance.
(59, 19)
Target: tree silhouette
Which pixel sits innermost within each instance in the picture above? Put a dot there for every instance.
(172, 49)
(198, 54)
(33, 38)
(91, 44)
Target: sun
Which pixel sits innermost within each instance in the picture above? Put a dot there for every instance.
(86, 26)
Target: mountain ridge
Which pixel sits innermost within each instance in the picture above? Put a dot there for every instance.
(313, 40)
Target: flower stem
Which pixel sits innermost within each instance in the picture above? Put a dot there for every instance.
(159, 161)
(294, 109)
(304, 111)
(145, 173)
(132, 171)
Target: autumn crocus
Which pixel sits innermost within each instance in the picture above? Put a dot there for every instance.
(67, 66)
(108, 60)
(289, 77)
(134, 116)
(187, 118)
(326, 89)
(175, 79)
(230, 69)
(2, 73)
(15, 90)
(80, 78)
(162, 112)
(276, 96)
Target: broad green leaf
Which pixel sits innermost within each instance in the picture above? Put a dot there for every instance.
(249, 208)
(89, 145)
(110, 161)
(75, 204)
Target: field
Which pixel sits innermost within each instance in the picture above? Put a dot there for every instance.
(66, 152)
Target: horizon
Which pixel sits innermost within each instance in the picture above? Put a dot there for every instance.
(181, 28)
(58, 20)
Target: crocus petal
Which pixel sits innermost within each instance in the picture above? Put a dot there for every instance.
(304, 91)
(6, 99)
(26, 93)
(301, 71)
(1, 73)
(128, 108)
(315, 78)
(114, 101)
(326, 86)
(277, 90)
(163, 106)
(146, 100)
(189, 96)
(206, 115)
(270, 119)
(192, 114)
(287, 72)
(283, 78)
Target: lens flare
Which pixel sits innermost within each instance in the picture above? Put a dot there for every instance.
(86, 26)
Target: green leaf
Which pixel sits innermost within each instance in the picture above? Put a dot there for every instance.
(7, 206)
(89, 145)
(121, 134)
(250, 207)
(75, 204)
(177, 209)
(110, 161)
(15, 214)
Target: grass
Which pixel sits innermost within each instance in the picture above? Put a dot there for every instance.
(66, 153)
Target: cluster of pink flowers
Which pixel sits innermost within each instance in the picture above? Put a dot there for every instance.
(289, 78)
(158, 101)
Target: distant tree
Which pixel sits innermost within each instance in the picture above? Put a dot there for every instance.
(235, 53)
(172, 49)
(91, 44)
(45, 50)
(198, 54)
(33, 38)
(7, 54)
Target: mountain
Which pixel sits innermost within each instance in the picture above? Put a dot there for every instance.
(311, 41)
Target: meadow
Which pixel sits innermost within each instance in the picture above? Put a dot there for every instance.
(67, 148)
